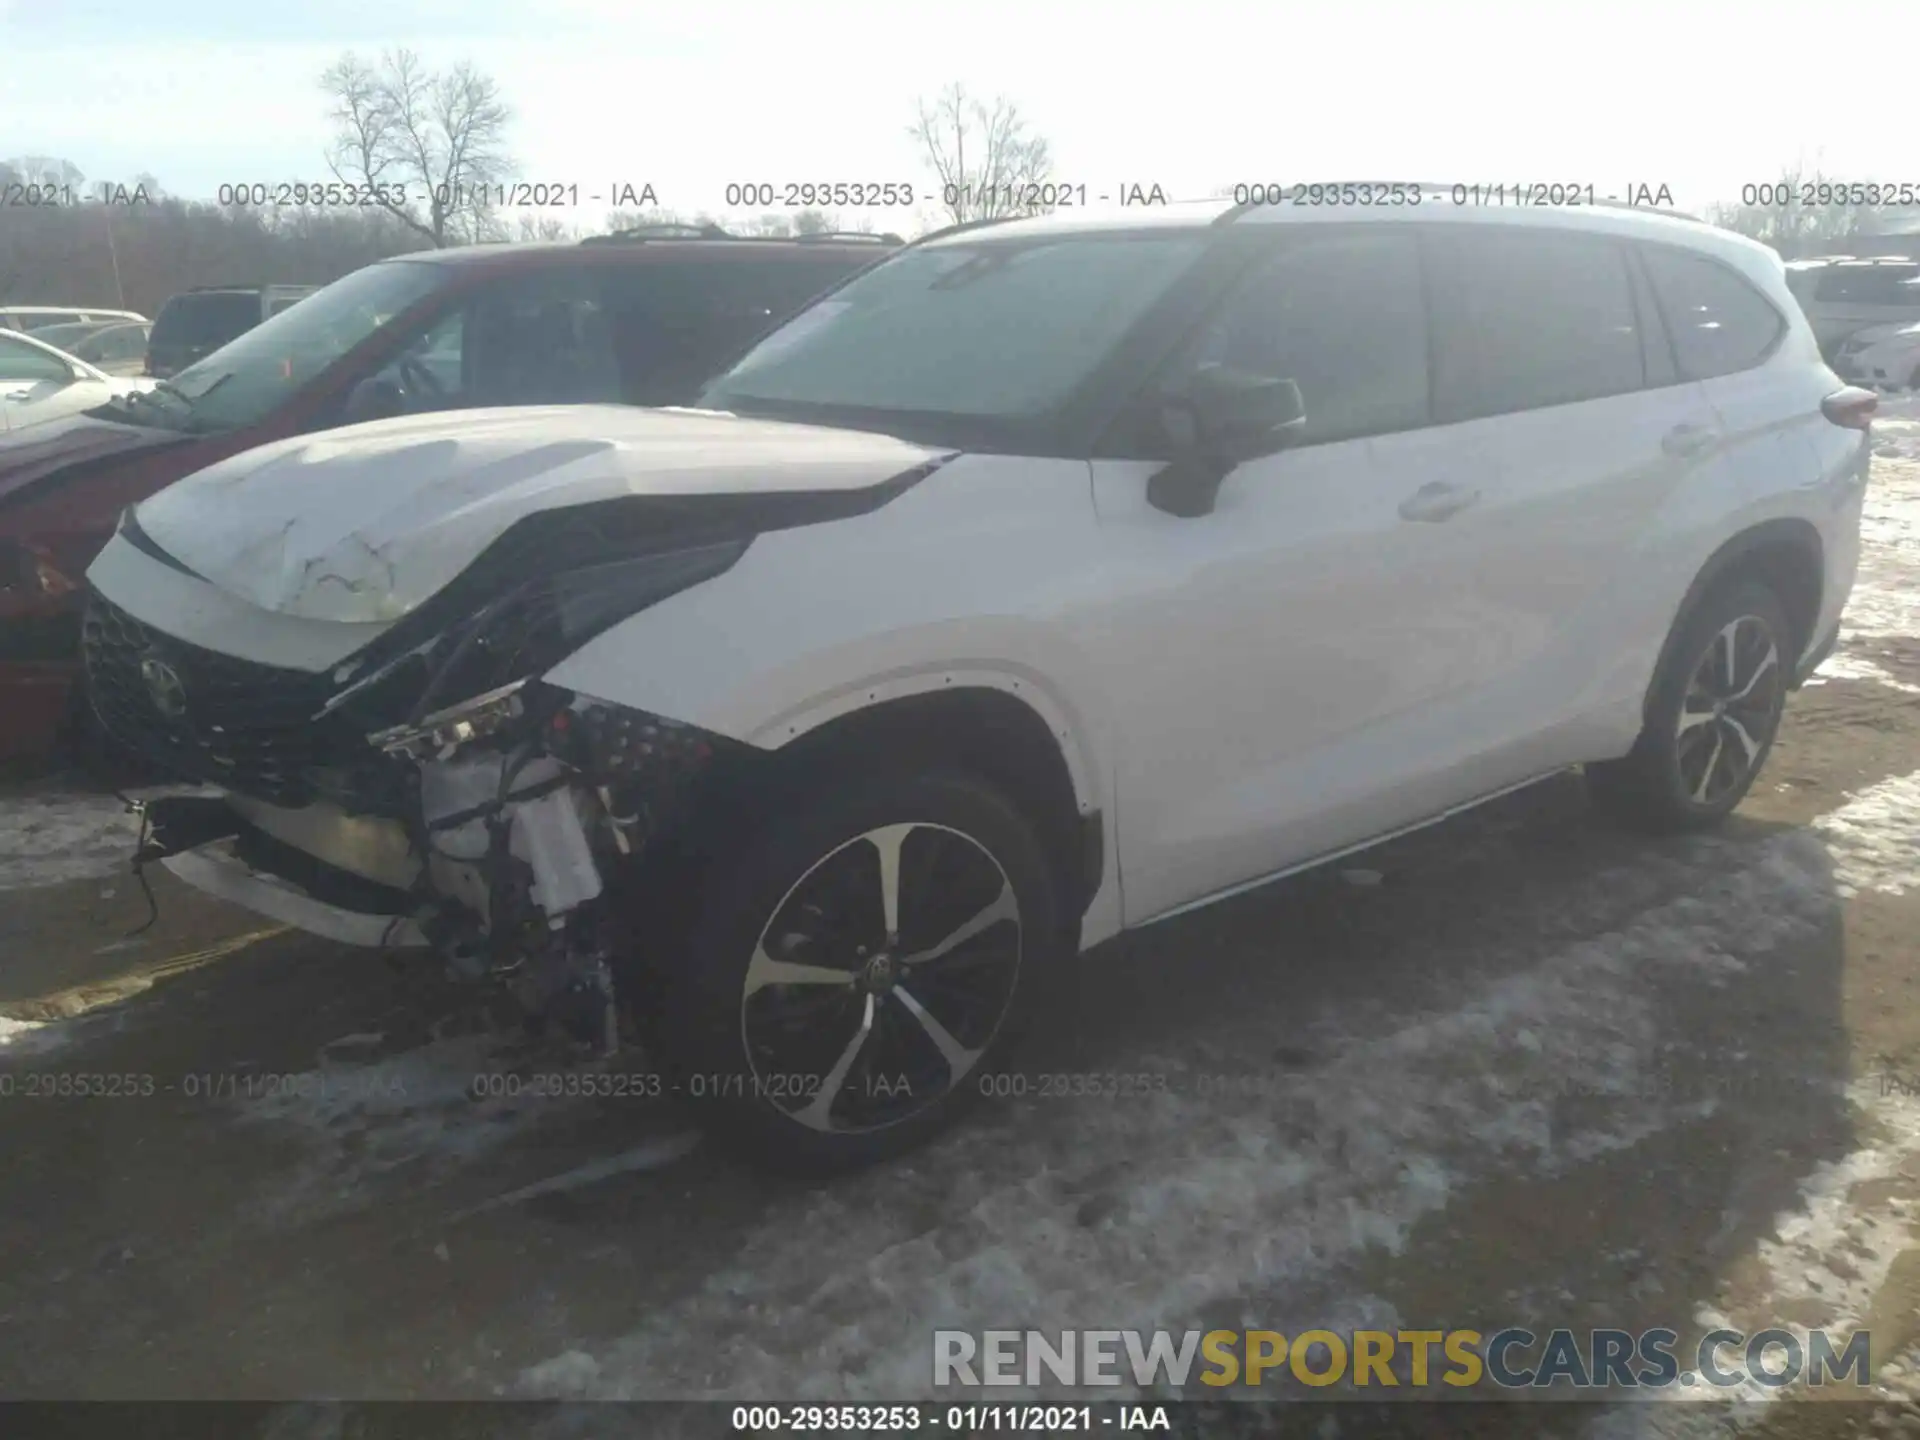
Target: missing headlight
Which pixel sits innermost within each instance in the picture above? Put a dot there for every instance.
(435, 657)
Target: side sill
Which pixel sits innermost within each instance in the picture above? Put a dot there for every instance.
(1317, 861)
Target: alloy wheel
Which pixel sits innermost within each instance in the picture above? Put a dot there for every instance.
(881, 978)
(1730, 711)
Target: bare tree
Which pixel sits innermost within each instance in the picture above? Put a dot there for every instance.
(777, 223)
(45, 170)
(430, 146)
(1796, 228)
(984, 157)
(535, 226)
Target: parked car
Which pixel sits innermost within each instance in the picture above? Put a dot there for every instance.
(197, 322)
(1841, 296)
(40, 382)
(36, 317)
(641, 318)
(1051, 578)
(117, 347)
(1886, 357)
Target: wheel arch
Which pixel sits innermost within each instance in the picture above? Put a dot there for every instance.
(1786, 555)
(1003, 725)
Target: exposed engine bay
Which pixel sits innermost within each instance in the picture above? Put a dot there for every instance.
(431, 789)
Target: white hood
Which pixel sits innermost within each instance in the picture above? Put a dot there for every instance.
(362, 524)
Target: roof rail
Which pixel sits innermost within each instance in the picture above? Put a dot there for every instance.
(886, 237)
(662, 230)
(978, 224)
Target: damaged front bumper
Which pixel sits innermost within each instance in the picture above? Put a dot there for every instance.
(318, 869)
(527, 816)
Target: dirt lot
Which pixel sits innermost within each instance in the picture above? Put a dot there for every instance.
(1518, 1069)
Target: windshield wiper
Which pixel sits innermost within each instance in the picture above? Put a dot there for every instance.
(173, 389)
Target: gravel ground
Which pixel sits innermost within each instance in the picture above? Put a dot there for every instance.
(1518, 1069)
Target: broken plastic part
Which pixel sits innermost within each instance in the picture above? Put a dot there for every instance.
(549, 836)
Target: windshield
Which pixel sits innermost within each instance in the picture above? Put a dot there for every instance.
(980, 330)
(245, 379)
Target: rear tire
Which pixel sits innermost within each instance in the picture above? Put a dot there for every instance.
(1712, 716)
(813, 1035)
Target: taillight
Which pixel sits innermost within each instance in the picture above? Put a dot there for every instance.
(1851, 408)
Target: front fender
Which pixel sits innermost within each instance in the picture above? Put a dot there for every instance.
(972, 578)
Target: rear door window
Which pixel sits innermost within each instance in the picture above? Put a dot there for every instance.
(1720, 324)
(1870, 285)
(677, 323)
(1526, 318)
(203, 323)
(121, 343)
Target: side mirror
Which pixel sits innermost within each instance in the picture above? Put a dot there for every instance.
(1239, 416)
(375, 398)
(1226, 418)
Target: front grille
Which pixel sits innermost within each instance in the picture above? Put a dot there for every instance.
(210, 717)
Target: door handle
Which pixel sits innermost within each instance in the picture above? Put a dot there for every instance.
(1436, 501)
(1688, 439)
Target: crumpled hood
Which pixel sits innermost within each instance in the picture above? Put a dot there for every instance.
(364, 523)
(39, 452)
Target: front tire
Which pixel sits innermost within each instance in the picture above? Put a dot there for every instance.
(856, 969)
(1711, 719)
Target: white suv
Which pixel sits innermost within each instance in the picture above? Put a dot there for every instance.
(1049, 578)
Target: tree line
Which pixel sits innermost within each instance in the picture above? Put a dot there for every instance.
(423, 148)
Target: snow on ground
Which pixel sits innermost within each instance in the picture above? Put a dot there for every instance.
(1896, 427)
(368, 1118)
(837, 1295)
(52, 836)
(30, 1037)
(1885, 601)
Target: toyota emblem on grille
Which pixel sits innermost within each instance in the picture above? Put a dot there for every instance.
(165, 687)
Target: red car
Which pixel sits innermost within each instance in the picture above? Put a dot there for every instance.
(642, 316)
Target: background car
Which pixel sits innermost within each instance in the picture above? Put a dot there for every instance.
(195, 323)
(39, 382)
(1842, 295)
(38, 317)
(643, 317)
(1886, 357)
(118, 348)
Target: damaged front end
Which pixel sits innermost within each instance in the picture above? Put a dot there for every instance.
(432, 790)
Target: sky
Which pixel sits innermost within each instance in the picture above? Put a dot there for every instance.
(1699, 96)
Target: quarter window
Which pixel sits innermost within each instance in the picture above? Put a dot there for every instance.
(1525, 319)
(1720, 324)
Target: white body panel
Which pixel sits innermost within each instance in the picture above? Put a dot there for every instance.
(29, 398)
